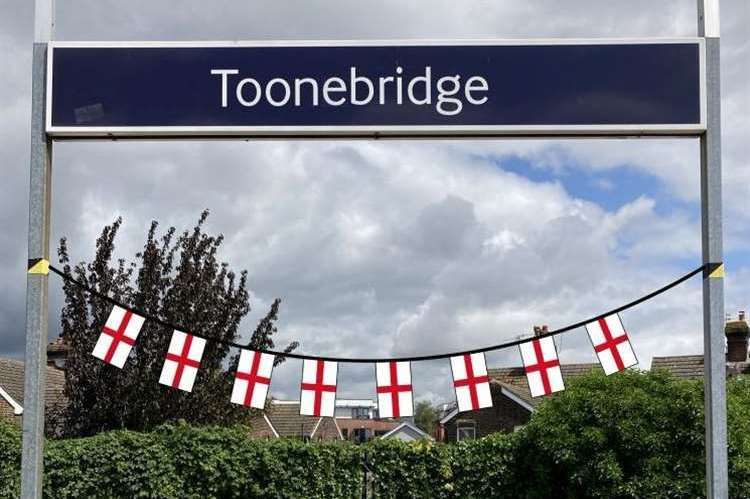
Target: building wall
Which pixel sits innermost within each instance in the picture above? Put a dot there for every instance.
(504, 416)
(327, 430)
(259, 428)
(7, 414)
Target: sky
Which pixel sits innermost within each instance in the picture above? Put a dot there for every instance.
(388, 248)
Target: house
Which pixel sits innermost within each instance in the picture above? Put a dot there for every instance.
(359, 421)
(407, 432)
(512, 405)
(281, 418)
(355, 420)
(12, 389)
(691, 366)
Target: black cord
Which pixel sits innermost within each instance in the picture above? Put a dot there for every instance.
(703, 268)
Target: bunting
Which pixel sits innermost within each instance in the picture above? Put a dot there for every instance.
(393, 377)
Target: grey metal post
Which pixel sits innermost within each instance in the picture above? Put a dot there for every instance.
(713, 283)
(32, 464)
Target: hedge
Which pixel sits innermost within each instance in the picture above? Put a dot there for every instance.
(631, 435)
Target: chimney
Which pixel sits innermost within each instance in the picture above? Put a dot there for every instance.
(540, 330)
(737, 333)
(57, 353)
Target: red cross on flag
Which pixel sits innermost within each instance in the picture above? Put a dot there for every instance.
(182, 361)
(118, 336)
(318, 388)
(611, 343)
(393, 381)
(542, 367)
(471, 382)
(252, 379)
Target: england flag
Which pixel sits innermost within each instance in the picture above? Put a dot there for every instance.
(611, 344)
(393, 381)
(182, 361)
(318, 386)
(470, 381)
(542, 366)
(118, 336)
(252, 379)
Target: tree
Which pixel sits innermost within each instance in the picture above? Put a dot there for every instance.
(180, 280)
(425, 416)
(634, 434)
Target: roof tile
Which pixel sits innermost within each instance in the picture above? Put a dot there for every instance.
(12, 381)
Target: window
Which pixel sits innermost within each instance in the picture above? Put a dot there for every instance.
(466, 430)
(361, 412)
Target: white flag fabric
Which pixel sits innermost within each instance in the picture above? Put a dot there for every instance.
(318, 386)
(182, 361)
(611, 343)
(393, 380)
(470, 381)
(252, 379)
(118, 336)
(542, 366)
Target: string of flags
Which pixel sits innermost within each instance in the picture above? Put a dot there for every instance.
(393, 379)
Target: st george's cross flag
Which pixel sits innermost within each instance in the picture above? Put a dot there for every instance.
(470, 381)
(318, 386)
(611, 343)
(118, 336)
(252, 379)
(393, 380)
(542, 366)
(182, 361)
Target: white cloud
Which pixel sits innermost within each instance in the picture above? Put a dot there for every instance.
(385, 248)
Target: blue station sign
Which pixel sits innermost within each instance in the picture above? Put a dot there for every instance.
(296, 89)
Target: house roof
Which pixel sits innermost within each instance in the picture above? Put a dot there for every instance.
(682, 366)
(514, 379)
(519, 395)
(409, 428)
(514, 384)
(12, 382)
(691, 366)
(286, 421)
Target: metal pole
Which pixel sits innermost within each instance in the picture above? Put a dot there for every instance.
(713, 282)
(32, 461)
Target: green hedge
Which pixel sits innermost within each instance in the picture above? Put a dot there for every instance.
(631, 435)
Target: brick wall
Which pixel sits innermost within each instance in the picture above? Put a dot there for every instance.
(327, 430)
(6, 412)
(503, 416)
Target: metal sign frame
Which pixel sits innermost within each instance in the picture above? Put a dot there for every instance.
(37, 290)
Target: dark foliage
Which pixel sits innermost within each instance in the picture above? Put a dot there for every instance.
(632, 435)
(179, 279)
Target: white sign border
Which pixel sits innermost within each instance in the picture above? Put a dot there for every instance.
(378, 131)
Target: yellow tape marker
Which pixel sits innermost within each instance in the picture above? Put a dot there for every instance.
(40, 267)
(718, 272)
